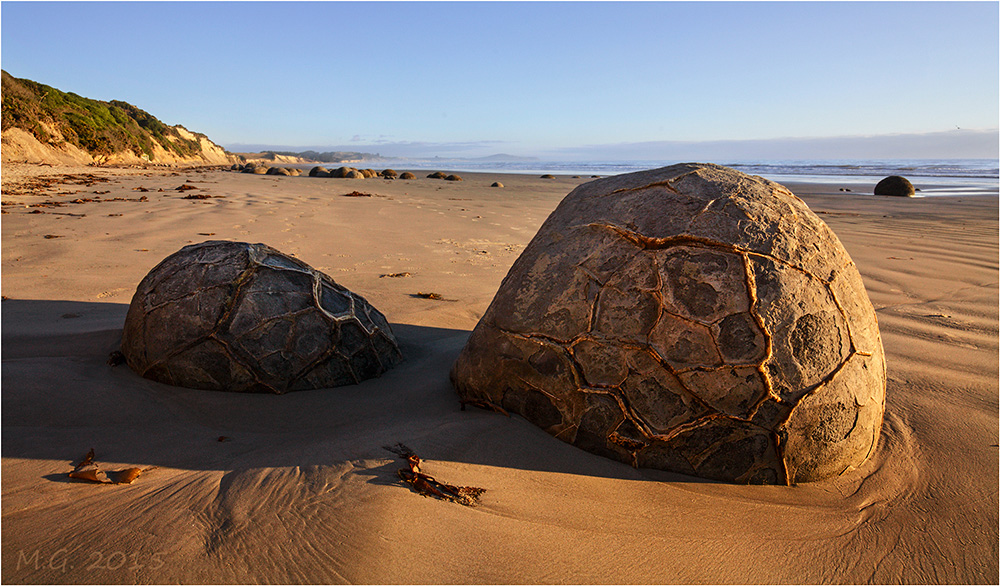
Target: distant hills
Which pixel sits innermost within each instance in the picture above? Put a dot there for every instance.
(320, 154)
(330, 157)
(43, 124)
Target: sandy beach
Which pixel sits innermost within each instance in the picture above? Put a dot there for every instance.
(299, 488)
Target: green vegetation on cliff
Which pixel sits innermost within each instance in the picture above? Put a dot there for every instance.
(100, 128)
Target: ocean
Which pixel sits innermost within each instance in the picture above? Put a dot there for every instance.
(932, 176)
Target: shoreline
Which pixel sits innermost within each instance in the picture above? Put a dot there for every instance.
(303, 480)
(848, 184)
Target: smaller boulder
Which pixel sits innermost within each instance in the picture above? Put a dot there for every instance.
(278, 171)
(241, 317)
(369, 173)
(407, 175)
(259, 170)
(235, 167)
(388, 174)
(547, 176)
(895, 185)
(497, 184)
(452, 178)
(437, 175)
(319, 172)
(354, 174)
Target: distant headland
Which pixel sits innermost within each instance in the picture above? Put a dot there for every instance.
(44, 125)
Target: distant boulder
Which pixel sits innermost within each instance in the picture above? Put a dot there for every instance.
(437, 175)
(341, 172)
(235, 167)
(279, 171)
(319, 172)
(547, 176)
(895, 185)
(388, 174)
(369, 173)
(407, 175)
(293, 171)
(354, 174)
(452, 178)
(497, 184)
(259, 170)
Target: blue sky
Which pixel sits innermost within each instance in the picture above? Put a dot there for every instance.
(531, 78)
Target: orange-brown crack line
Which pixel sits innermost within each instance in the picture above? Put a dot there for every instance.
(843, 313)
(648, 243)
(816, 388)
(592, 317)
(667, 184)
(229, 305)
(751, 284)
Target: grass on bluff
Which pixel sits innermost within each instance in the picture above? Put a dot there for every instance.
(100, 128)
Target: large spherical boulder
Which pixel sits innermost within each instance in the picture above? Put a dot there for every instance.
(244, 317)
(388, 174)
(319, 172)
(406, 175)
(690, 318)
(895, 185)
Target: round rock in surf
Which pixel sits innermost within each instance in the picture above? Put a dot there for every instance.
(692, 319)
(895, 185)
(242, 317)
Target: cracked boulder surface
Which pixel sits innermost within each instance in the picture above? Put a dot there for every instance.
(693, 319)
(242, 317)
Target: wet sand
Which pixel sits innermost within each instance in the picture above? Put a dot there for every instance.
(302, 489)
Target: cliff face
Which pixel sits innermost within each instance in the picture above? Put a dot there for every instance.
(44, 125)
(270, 158)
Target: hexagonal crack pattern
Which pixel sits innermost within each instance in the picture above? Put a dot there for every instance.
(697, 355)
(247, 318)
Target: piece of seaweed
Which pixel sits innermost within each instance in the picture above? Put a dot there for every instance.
(427, 485)
(89, 471)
